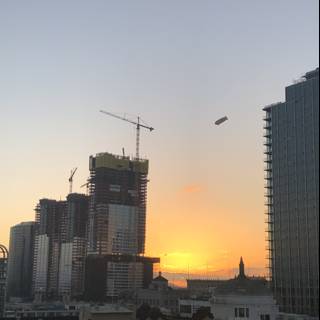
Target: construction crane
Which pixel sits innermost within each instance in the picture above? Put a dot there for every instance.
(73, 171)
(86, 185)
(136, 123)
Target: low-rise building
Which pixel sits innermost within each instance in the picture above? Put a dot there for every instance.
(106, 312)
(244, 298)
(291, 316)
(109, 276)
(201, 286)
(72, 311)
(39, 311)
(188, 307)
(161, 295)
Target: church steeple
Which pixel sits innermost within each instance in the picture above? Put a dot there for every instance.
(241, 269)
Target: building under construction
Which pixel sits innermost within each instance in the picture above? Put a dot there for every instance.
(117, 221)
(73, 247)
(50, 217)
(118, 193)
(60, 247)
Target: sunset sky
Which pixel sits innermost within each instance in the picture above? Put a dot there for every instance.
(180, 65)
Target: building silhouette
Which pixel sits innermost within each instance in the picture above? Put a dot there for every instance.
(60, 247)
(244, 297)
(3, 277)
(87, 246)
(118, 194)
(292, 196)
(117, 225)
(73, 247)
(20, 262)
(51, 217)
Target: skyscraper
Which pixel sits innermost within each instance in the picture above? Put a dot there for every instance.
(117, 223)
(292, 196)
(3, 276)
(117, 217)
(60, 247)
(19, 280)
(51, 217)
(73, 246)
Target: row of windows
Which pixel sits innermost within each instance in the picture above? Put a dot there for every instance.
(241, 312)
(244, 313)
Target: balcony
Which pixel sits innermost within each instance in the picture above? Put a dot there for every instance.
(268, 203)
(269, 220)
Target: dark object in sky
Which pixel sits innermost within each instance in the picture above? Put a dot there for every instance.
(221, 120)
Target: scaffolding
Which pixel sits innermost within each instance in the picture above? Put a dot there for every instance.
(115, 180)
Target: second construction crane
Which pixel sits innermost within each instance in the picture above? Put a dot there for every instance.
(71, 179)
(138, 126)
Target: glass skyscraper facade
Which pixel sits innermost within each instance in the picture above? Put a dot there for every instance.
(292, 196)
(3, 277)
(19, 282)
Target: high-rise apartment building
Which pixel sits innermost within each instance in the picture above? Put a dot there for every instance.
(73, 247)
(20, 262)
(117, 224)
(51, 219)
(3, 277)
(292, 196)
(60, 247)
(117, 217)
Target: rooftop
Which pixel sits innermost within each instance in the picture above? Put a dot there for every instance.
(117, 162)
(109, 308)
(243, 285)
(307, 76)
(160, 278)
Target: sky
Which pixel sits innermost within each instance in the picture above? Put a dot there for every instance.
(180, 65)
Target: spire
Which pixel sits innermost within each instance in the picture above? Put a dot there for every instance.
(241, 269)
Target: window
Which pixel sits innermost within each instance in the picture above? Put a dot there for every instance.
(185, 308)
(241, 312)
(264, 317)
(114, 187)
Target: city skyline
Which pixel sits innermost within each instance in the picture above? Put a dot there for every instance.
(205, 202)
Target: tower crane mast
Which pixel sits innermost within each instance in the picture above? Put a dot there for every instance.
(71, 179)
(136, 123)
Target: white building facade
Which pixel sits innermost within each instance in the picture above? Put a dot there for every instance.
(244, 298)
(234, 307)
(188, 307)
